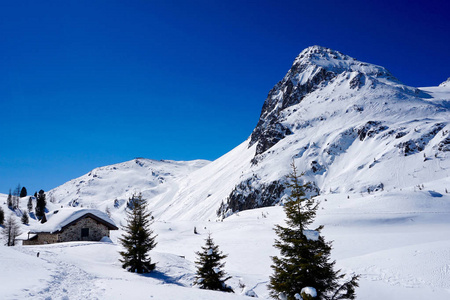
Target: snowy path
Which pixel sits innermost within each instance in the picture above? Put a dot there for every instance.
(68, 282)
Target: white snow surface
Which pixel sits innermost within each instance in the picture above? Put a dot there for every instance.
(397, 242)
(309, 291)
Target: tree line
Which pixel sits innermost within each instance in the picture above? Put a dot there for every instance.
(11, 229)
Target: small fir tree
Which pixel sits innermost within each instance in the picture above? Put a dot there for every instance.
(11, 231)
(210, 274)
(9, 200)
(16, 197)
(30, 204)
(2, 216)
(40, 205)
(25, 219)
(138, 238)
(23, 192)
(305, 256)
(17, 190)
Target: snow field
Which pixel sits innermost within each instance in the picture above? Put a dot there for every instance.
(397, 242)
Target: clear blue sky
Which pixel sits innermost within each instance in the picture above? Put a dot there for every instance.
(85, 84)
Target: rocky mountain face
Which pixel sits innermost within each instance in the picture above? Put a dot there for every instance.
(314, 68)
(350, 126)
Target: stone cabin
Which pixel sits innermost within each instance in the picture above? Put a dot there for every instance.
(67, 225)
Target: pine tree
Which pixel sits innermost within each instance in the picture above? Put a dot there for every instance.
(9, 200)
(11, 230)
(2, 216)
(30, 204)
(40, 205)
(210, 274)
(138, 239)
(23, 192)
(16, 197)
(305, 256)
(25, 218)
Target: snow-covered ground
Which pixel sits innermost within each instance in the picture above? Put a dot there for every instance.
(398, 242)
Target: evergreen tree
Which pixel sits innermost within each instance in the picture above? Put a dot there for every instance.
(305, 256)
(138, 239)
(2, 216)
(23, 192)
(17, 190)
(11, 231)
(40, 205)
(25, 218)
(30, 204)
(16, 197)
(9, 200)
(210, 274)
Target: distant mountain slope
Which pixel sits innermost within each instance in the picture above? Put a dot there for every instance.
(351, 126)
(102, 186)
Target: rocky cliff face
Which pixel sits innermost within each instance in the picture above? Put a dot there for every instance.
(315, 67)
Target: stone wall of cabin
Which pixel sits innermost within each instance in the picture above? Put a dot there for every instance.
(42, 238)
(73, 232)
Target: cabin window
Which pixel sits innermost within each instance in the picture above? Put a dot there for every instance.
(84, 232)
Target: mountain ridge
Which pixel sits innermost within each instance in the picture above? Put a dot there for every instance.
(352, 127)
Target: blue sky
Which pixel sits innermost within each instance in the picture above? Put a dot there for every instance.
(85, 84)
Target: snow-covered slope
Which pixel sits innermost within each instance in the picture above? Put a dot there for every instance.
(400, 251)
(351, 126)
(111, 186)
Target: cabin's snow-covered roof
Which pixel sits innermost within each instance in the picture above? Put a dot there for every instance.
(58, 219)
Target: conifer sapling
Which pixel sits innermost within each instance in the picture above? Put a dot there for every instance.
(2, 216)
(210, 274)
(25, 218)
(304, 259)
(138, 239)
(40, 205)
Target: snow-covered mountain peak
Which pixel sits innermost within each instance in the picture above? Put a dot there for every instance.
(333, 61)
(327, 74)
(445, 83)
